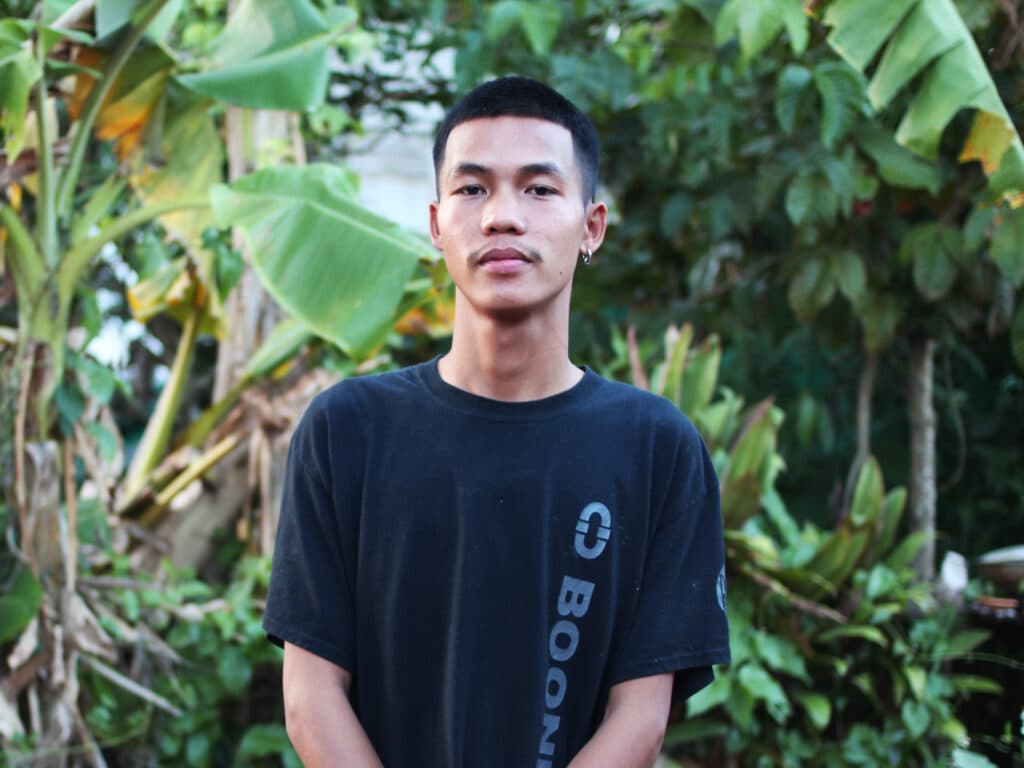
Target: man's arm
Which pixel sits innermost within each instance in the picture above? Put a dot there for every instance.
(318, 716)
(634, 724)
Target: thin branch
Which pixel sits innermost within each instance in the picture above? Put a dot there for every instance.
(16, 681)
(131, 686)
(118, 582)
(88, 741)
(800, 603)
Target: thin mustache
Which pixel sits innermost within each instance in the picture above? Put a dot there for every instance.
(478, 254)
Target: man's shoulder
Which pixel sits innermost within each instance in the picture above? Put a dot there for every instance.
(646, 408)
(360, 391)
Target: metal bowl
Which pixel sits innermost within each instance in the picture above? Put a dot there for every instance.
(1004, 566)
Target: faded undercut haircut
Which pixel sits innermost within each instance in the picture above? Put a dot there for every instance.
(515, 96)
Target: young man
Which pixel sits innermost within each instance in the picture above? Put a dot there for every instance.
(498, 558)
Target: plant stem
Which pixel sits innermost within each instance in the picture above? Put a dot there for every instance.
(26, 358)
(158, 429)
(71, 505)
(201, 428)
(27, 262)
(46, 214)
(194, 471)
(78, 258)
(83, 127)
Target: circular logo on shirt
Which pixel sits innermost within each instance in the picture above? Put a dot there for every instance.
(721, 588)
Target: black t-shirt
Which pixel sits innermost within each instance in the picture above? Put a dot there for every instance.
(487, 570)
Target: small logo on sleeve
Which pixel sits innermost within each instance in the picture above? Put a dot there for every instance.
(721, 589)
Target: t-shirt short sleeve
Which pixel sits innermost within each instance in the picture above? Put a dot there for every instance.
(310, 600)
(679, 624)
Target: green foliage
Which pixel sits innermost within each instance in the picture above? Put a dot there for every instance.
(287, 215)
(212, 663)
(839, 655)
(930, 39)
(262, 63)
(20, 599)
(1008, 247)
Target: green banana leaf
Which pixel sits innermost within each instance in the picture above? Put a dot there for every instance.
(928, 38)
(667, 381)
(869, 494)
(272, 55)
(337, 267)
(112, 15)
(19, 71)
(698, 385)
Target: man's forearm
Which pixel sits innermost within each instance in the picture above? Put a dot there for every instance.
(625, 739)
(634, 725)
(326, 733)
(319, 718)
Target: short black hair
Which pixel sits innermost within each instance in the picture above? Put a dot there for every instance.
(516, 96)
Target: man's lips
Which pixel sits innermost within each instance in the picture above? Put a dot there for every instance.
(504, 255)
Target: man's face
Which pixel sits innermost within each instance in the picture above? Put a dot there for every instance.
(510, 217)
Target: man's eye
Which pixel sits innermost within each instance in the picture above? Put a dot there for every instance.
(470, 190)
(539, 190)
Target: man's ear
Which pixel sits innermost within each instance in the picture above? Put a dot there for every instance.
(435, 231)
(594, 225)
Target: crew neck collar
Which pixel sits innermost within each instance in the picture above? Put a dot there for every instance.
(504, 410)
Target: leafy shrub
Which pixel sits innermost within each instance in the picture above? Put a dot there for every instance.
(839, 656)
(211, 695)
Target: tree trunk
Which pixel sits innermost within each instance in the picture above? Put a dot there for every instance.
(251, 313)
(865, 390)
(922, 452)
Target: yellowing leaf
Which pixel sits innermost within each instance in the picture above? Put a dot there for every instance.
(988, 141)
(88, 58)
(927, 47)
(131, 100)
(190, 160)
(126, 118)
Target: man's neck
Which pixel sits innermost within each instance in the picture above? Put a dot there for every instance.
(509, 360)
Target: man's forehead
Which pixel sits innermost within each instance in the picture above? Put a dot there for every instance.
(509, 141)
(508, 134)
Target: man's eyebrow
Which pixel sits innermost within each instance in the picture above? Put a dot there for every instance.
(530, 169)
(470, 169)
(541, 169)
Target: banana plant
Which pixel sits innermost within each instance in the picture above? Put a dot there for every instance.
(52, 243)
(156, 106)
(925, 55)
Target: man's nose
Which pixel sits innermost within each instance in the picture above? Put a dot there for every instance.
(502, 214)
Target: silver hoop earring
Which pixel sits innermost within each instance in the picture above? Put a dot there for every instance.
(588, 256)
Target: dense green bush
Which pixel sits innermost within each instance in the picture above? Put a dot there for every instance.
(840, 656)
(204, 688)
